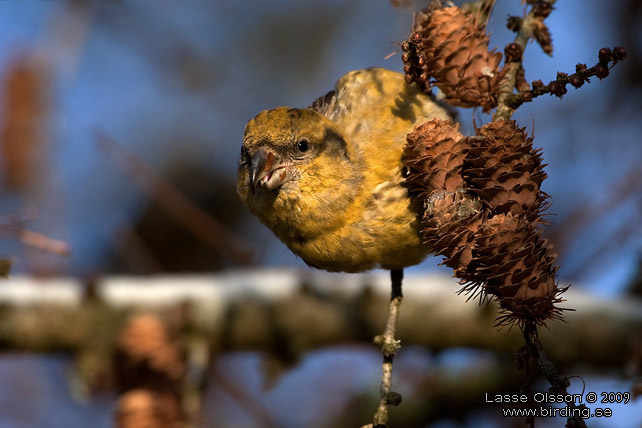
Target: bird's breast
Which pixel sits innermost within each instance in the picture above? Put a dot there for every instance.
(379, 228)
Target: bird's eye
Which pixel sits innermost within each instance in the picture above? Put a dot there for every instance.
(302, 146)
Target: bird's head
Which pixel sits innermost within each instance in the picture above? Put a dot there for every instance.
(291, 162)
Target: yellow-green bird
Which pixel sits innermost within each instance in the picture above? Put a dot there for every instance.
(327, 179)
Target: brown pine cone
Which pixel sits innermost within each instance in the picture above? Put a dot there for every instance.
(450, 45)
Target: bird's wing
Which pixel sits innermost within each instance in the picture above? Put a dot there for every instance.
(375, 109)
(324, 103)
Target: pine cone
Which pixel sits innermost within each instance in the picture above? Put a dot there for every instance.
(505, 171)
(451, 223)
(434, 156)
(510, 258)
(515, 264)
(141, 408)
(450, 45)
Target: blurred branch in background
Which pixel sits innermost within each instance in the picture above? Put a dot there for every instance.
(290, 315)
(287, 316)
(14, 227)
(191, 217)
(44, 243)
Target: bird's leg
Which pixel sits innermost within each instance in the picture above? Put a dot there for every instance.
(389, 347)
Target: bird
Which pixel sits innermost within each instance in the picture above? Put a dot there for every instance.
(328, 179)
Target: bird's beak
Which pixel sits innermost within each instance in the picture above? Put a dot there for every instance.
(267, 172)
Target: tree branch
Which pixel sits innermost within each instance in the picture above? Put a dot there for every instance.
(39, 315)
(389, 348)
(526, 29)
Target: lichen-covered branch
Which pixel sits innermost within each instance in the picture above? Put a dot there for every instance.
(51, 316)
(389, 348)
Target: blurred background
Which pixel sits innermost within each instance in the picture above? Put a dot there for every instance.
(121, 124)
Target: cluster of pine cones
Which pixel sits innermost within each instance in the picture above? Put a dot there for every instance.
(480, 195)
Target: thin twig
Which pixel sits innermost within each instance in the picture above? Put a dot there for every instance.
(557, 87)
(533, 349)
(514, 54)
(14, 227)
(558, 385)
(524, 361)
(44, 243)
(389, 347)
